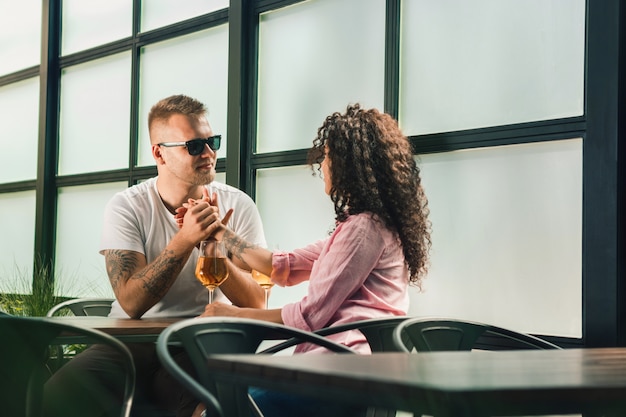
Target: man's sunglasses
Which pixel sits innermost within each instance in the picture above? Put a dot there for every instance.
(196, 146)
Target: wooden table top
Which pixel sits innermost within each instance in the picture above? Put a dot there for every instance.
(447, 383)
(145, 329)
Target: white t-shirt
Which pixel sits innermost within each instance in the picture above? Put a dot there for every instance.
(136, 219)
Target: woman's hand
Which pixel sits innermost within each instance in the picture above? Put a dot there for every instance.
(226, 310)
(220, 309)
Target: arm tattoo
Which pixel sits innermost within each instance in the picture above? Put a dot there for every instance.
(164, 267)
(237, 245)
(120, 265)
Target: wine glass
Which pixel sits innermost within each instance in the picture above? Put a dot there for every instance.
(265, 282)
(211, 269)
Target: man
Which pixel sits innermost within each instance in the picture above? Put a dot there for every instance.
(150, 258)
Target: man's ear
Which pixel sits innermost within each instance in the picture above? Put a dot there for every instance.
(157, 154)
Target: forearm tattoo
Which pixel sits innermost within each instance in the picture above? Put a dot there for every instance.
(236, 245)
(155, 280)
(164, 268)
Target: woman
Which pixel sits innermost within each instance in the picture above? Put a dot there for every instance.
(379, 246)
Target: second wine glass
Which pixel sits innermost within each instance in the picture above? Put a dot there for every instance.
(265, 282)
(211, 269)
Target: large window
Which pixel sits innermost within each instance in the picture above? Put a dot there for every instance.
(511, 106)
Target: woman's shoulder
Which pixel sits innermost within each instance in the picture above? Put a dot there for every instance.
(369, 223)
(365, 217)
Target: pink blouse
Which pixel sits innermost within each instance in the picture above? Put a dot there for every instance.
(357, 273)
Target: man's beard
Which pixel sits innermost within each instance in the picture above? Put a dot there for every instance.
(202, 179)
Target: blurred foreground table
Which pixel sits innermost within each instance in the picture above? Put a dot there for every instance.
(530, 382)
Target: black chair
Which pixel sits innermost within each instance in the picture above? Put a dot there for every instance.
(202, 337)
(83, 307)
(23, 357)
(447, 334)
(77, 307)
(424, 334)
(377, 331)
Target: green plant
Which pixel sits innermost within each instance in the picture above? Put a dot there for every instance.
(31, 294)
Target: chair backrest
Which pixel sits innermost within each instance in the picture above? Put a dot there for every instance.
(377, 331)
(83, 307)
(202, 337)
(23, 355)
(446, 334)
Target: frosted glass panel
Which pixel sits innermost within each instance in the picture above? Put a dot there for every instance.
(18, 140)
(507, 237)
(95, 115)
(295, 212)
(157, 13)
(315, 58)
(195, 65)
(87, 24)
(20, 35)
(80, 267)
(17, 222)
(490, 62)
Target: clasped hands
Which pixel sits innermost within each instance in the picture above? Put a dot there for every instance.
(201, 217)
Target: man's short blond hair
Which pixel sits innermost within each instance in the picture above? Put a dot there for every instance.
(177, 104)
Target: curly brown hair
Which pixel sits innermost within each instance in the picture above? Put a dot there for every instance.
(373, 170)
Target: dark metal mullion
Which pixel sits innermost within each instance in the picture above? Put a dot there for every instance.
(621, 180)
(185, 27)
(500, 135)
(392, 58)
(268, 5)
(138, 39)
(603, 291)
(241, 67)
(134, 95)
(92, 54)
(250, 80)
(21, 75)
(46, 191)
(14, 187)
(279, 159)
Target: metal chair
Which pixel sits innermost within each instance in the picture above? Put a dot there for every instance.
(23, 356)
(202, 337)
(78, 307)
(377, 331)
(83, 307)
(446, 334)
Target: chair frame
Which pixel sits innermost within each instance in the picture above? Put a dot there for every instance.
(377, 331)
(28, 358)
(221, 398)
(83, 306)
(466, 333)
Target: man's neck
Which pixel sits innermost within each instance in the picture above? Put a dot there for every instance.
(174, 195)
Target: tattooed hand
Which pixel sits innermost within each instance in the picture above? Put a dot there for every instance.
(180, 211)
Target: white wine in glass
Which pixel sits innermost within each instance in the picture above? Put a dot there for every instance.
(211, 269)
(265, 282)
